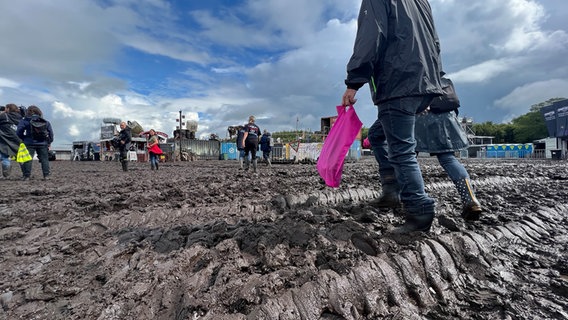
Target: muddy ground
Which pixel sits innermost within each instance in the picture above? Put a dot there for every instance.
(203, 240)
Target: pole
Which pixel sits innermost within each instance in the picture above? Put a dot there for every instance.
(180, 135)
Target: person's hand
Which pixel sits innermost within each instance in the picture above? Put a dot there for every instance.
(349, 97)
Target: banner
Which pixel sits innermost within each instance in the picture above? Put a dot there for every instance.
(561, 118)
(549, 114)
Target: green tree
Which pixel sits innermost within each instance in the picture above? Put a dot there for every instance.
(523, 129)
(529, 127)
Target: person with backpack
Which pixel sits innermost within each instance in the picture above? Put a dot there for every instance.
(9, 141)
(266, 144)
(438, 132)
(37, 135)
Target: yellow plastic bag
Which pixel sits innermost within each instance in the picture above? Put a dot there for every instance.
(23, 154)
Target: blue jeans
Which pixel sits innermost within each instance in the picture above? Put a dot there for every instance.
(5, 160)
(154, 160)
(42, 155)
(378, 141)
(456, 171)
(397, 118)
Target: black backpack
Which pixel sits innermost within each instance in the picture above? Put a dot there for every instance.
(448, 101)
(39, 129)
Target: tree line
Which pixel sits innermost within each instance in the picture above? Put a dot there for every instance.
(523, 129)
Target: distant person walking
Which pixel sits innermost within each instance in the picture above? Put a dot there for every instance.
(266, 144)
(439, 133)
(37, 135)
(250, 143)
(154, 149)
(240, 144)
(396, 52)
(124, 141)
(9, 140)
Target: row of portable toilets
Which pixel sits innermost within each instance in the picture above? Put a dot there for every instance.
(509, 150)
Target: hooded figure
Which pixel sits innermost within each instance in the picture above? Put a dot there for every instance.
(9, 140)
(266, 147)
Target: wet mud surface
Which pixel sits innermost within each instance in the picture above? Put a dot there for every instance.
(204, 240)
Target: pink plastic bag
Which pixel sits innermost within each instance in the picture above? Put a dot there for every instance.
(337, 144)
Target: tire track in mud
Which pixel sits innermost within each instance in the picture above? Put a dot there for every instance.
(455, 268)
(433, 274)
(467, 274)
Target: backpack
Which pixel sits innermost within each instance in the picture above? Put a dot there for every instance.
(448, 101)
(39, 129)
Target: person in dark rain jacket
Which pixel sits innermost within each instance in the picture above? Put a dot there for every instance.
(396, 52)
(124, 140)
(266, 147)
(9, 140)
(35, 144)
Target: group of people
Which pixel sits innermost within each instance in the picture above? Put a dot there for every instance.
(397, 52)
(24, 125)
(248, 139)
(123, 142)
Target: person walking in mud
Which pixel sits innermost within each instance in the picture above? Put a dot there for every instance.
(37, 135)
(240, 145)
(266, 147)
(396, 52)
(124, 141)
(154, 149)
(439, 133)
(250, 143)
(9, 140)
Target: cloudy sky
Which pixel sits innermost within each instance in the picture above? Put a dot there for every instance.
(219, 61)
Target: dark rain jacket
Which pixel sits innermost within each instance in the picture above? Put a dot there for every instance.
(240, 136)
(396, 50)
(25, 133)
(265, 143)
(9, 140)
(126, 136)
(439, 133)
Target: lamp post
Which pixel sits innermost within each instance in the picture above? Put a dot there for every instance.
(180, 128)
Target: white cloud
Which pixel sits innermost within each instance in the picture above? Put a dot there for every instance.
(521, 98)
(7, 83)
(482, 72)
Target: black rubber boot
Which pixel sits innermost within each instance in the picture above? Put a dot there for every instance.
(157, 165)
(417, 219)
(389, 197)
(471, 207)
(387, 200)
(247, 164)
(152, 167)
(254, 165)
(124, 165)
